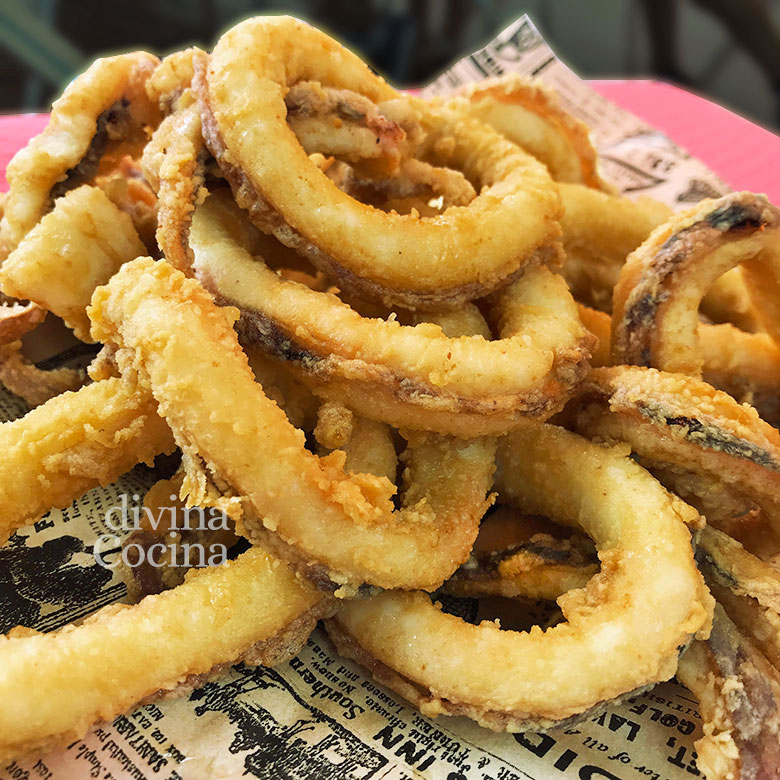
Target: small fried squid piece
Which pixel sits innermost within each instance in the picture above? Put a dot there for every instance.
(530, 115)
(622, 632)
(73, 443)
(369, 445)
(398, 259)
(76, 247)
(739, 699)
(517, 556)
(656, 300)
(408, 376)
(17, 374)
(102, 109)
(686, 427)
(744, 365)
(18, 318)
(252, 609)
(339, 529)
(130, 192)
(415, 185)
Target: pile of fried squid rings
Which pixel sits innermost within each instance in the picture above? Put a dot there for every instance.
(410, 348)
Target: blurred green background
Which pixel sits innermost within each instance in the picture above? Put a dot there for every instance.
(728, 50)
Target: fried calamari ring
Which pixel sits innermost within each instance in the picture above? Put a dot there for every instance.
(516, 556)
(76, 247)
(624, 628)
(656, 300)
(174, 163)
(339, 529)
(399, 259)
(728, 302)
(413, 377)
(739, 699)
(105, 104)
(73, 443)
(599, 231)
(531, 116)
(745, 365)
(253, 609)
(675, 419)
(747, 588)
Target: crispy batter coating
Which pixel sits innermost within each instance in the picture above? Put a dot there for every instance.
(622, 631)
(408, 376)
(76, 247)
(73, 443)
(104, 106)
(339, 528)
(398, 259)
(656, 300)
(123, 655)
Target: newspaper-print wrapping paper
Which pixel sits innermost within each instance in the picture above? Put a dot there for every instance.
(319, 716)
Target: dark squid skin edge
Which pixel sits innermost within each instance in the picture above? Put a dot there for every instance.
(710, 436)
(551, 551)
(732, 221)
(86, 169)
(752, 706)
(349, 112)
(269, 220)
(701, 434)
(256, 329)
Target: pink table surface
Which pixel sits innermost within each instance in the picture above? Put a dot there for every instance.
(743, 154)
